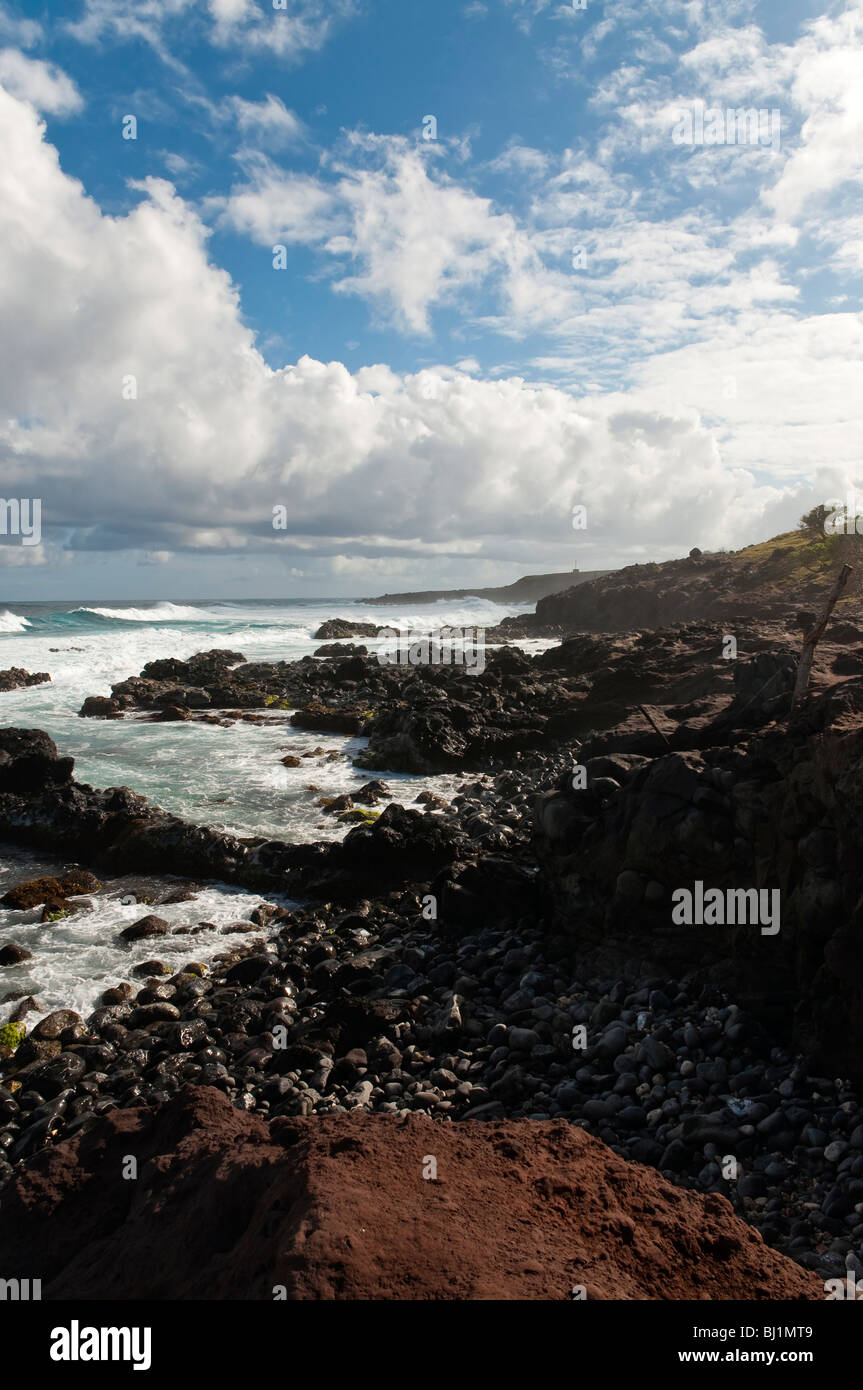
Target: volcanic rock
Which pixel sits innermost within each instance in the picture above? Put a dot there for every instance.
(13, 954)
(29, 762)
(147, 926)
(341, 649)
(40, 890)
(15, 677)
(343, 627)
(358, 1206)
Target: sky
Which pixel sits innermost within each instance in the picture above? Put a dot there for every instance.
(338, 297)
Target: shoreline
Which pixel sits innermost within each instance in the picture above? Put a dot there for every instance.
(442, 962)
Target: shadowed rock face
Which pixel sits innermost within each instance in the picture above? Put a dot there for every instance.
(776, 810)
(227, 1206)
(525, 590)
(29, 762)
(770, 581)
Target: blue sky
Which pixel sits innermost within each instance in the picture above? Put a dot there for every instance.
(553, 301)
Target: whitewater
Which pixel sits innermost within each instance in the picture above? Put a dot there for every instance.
(230, 778)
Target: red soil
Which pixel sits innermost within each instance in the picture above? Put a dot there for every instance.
(226, 1206)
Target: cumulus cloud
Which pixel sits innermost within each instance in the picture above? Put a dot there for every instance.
(372, 464)
(42, 84)
(274, 206)
(695, 398)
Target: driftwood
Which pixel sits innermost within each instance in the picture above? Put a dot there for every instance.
(804, 667)
(649, 717)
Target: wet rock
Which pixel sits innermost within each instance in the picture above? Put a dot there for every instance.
(341, 649)
(101, 707)
(29, 762)
(160, 1011)
(145, 927)
(56, 1023)
(117, 994)
(151, 967)
(56, 1075)
(13, 954)
(39, 890)
(613, 1041)
(343, 627)
(14, 677)
(835, 1151)
(27, 1005)
(249, 970)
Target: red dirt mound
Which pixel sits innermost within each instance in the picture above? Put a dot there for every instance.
(226, 1206)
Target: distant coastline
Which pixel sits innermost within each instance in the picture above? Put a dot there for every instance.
(529, 589)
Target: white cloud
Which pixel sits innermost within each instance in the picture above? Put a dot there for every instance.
(374, 466)
(270, 119)
(23, 32)
(371, 464)
(302, 27)
(843, 239)
(817, 82)
(416, 242)
(273, 206)
(178, 165)
(522, 160)
(419, 242)
(784, 392)
(392, 225)
(42, 84)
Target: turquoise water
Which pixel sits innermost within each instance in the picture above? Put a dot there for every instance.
(231, 778)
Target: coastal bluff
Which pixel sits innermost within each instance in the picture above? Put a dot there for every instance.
(529, 589)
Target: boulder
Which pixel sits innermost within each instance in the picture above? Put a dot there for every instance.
(341, 649)
(29, 762)
(344, 627)
(519, 1211)
(15, 677)
(40, 890)
(13, 954)
(144, 928)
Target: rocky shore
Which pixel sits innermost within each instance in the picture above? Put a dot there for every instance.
(510, 957)
(16, 678)
(238, 1208)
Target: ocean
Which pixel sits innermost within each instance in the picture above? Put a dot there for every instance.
(230, 778)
